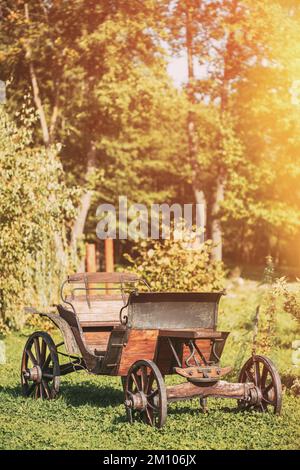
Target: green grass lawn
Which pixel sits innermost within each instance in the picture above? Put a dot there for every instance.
(89, 413)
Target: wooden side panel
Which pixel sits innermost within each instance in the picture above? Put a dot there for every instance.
(141, 345)
(96, 338)
(164, 357)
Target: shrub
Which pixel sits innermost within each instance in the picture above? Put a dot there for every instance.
(33, 203)
(169, 265)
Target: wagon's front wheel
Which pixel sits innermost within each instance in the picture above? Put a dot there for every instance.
(261, 371)
(40, 373)
(145, 394)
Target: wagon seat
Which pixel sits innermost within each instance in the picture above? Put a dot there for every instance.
(97, 300)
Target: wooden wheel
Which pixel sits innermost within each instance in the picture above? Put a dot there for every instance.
(40, 373)
(261, 371)
(145, 394)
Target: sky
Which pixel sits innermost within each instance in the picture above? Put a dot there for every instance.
(177, 69)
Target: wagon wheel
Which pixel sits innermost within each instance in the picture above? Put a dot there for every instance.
(145, 394)
(40, 373)
(261, 371)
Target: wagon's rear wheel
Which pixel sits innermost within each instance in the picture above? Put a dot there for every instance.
(261, 371)
(40, 373)
(145, 394)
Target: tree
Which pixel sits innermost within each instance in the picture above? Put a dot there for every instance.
(34, 204)
(85, 62)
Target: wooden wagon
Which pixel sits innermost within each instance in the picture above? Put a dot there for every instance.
(110, 326)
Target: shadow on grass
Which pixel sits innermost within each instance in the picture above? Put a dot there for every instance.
(90, 394)
(79, 395)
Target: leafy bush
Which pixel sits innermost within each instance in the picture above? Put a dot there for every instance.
(170, 265)
(33, 203)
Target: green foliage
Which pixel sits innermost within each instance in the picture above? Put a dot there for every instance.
(33, 204)
(175, 265)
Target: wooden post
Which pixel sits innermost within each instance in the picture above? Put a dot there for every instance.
(109, 259)
(91, 258)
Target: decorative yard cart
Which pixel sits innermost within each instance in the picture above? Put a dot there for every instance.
(109, 327)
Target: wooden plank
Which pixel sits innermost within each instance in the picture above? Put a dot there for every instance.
(98, 339)
(98, 324)
(191, 334)
(141, 345)
(99, 311)
(102, 277)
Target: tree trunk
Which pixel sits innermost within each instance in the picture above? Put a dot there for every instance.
(216, 229)
(35, 88)
(60, 251)
(85, 202)
(191, 131)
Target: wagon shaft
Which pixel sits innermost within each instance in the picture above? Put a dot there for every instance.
(220, 389)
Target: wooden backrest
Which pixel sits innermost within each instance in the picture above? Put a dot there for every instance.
(99, 297)
(173, 310)
(100, 308)
(113, 278)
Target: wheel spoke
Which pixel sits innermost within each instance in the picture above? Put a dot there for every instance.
(135, 380)
(268, 388)
(148, 414)
(153, 407)
(144, 378)
(153, 393)
(43, 352)
(31, 356)
(249, 376)
(37, 349)
(46, 388)
(257, 373)
(264, 376)
(47, 362)
(150, 382)
(48, 376)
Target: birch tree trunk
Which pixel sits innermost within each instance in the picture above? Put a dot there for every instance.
(85, 204)
(216, 229)
(192, 134)
(60, 251)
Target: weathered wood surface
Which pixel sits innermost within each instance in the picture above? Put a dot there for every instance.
(118, 278)
(202, 373)
(96, 338)
(191, 334)
(98, 310)
(141, 345)
(220, 389)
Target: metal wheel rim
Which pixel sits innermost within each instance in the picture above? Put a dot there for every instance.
(261, 371)
(40, 351)
(144, 376)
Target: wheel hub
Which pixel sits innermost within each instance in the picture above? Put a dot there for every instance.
(255, 396)
(137, 401)
(34, 374)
